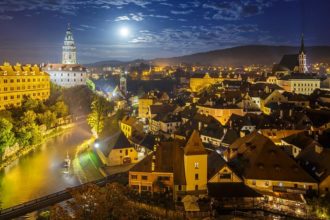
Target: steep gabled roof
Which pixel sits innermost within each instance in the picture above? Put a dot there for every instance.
(194, 145)
(257, 157)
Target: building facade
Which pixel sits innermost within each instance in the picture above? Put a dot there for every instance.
(69, 73)
(17, 82)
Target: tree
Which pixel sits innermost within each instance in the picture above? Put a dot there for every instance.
(96, 118)
(28, 118)
(29, 104)
(7, 137)
(47, 118)
(27, 130)
(321, 206)
(60, 108)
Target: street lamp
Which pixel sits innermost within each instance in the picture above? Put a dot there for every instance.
(96, 145)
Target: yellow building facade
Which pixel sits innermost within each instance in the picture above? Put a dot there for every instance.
(144, 104)
(19, 81)
(196, 84)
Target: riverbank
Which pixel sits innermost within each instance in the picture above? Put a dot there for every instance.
(28, 149)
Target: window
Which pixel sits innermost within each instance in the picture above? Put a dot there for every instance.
(196, 187)
(225, 176)
(164, 178)
(179, 187)
(144, 188)
(254, 182)
(135, 187)
(196, 165)
(11, 81)
(196, 176)
(144, 177)
(133, 177)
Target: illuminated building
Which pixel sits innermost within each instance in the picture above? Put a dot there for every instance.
(69, 55)
(180, 170)
(69, 73)
(19, 81)
(299, 83)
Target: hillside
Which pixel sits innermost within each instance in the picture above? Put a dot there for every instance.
(237, 56)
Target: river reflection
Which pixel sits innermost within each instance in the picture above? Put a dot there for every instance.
(41, 172)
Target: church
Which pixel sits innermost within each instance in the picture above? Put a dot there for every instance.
(68, 73)
(293, 62)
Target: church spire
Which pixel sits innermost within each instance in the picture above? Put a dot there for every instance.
(302, 45)
(302, 57)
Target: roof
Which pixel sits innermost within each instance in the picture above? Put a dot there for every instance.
(168, 159)
(289, 61)
(254, 156)
(214, 163)
(194, 145)
(299, 76)
(13, 70)
(231, 190)
(64, 67)
(117, 141)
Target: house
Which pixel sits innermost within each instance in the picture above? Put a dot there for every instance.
(266, 167)
(174, 167)
(119, 151)
(129, 124)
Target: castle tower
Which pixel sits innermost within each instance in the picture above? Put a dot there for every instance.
(302, 57)
(123, 84)
(69, 48)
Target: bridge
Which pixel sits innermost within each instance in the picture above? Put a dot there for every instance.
(51, 199)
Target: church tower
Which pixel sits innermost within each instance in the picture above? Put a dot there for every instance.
(69, 48)
(123, 84)
(302, 57)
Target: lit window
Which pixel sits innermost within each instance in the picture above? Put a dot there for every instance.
(196, 165)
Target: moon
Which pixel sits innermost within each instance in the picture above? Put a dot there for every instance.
(124, 32)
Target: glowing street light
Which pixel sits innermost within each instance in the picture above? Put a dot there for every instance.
(96, 145)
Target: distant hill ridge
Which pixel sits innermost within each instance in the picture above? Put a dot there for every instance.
(236, 56)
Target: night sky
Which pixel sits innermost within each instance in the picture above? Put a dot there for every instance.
(33, 30)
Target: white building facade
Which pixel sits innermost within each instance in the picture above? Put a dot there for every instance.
(68, 73)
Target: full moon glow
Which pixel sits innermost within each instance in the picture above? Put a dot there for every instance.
(124, 31)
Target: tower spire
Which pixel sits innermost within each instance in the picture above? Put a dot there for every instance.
(302, 57)
(302, 44)
(69, 48)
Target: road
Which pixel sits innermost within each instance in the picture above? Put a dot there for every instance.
(41, 172)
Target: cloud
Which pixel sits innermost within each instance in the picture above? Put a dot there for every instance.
(181, 12)
(6, 17)
(68, 7)
(236, 9)
(131, 17)
(122, 18)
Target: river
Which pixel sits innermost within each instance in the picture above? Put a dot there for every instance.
(41, 172)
